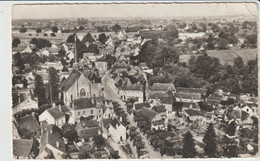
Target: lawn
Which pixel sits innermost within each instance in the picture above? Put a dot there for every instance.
(228, 56)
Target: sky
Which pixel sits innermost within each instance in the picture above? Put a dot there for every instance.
(53, 11)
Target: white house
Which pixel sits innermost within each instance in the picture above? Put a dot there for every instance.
(115, 129)
(54, 115)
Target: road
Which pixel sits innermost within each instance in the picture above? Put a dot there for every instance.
(110, 92)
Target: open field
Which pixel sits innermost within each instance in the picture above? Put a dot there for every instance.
(228, 56)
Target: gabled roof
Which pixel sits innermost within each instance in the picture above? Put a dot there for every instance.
(67, 83)
(193, 112)
(28, 125)
(83, 103)
(51, 137)
(167, 100)
(114, 122)
(159, 108)
(22, 147)
(163, 87)
(157, 94)
(88, 132)
(148, 114)
(134, 87)
(191, 90)
(91, 123)
(139, 106)
(56, 112)
(158, 122)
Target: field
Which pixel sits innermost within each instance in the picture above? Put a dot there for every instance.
(228, 56)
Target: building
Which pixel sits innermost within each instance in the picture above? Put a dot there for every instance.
(87, 129)
(22, 148)
(101, 66)
(190, 94)
(52, 145)
(80, 85)
(132, 90)
(55, 115)
(85, 107)
(163, 87)
(139, 106)
(28, 126)
(113, 128)
(195, 116)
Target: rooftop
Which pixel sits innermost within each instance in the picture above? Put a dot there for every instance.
(27, 125)
(22, 147)
(159, 108)
(148, 114)
(139, 106)
(163, 87)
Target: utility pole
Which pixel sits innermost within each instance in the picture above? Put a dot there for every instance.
(76, 55)
(50, 88)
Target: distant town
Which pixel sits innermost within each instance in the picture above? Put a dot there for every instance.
(135, 89)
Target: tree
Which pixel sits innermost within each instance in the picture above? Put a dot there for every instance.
(39, 90)
(114, 155)
(230, 148)
(55, 29)
(16, 42)
(210, 142)
(222, 43)
(23, 30)
(53, 85)
(38, 30)
(61, 53)
(87, 38)
(116, 27)
(53, 35)
(231, 129)
(84, 155)
(251, 40)
(99, 140)
(70, 134)
(188, 150)
(40, 43)
(102, 38)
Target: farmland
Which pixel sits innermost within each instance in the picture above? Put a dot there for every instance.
(228, 56)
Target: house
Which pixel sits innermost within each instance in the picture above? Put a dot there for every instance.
(190, 94)
(44, 52)
(51, 143)
(22, 100)
(87, 129)
(161, 110)
(101, 66)
(27, 50)
(158, 125)
(155, 97)
(85, 107)
(163, 87)
(56, 65)
(248, 110)
(132, 90)
(194, 116)
(139, 106)
(28, 125)
(108, 111)
(80, 85)
(113, 128)
(55, 115)
(22, 148)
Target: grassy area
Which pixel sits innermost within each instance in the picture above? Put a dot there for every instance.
(228, 56)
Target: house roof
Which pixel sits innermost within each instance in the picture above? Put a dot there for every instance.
(158, 122)
(51, 137)
(133, 87)
(111, 121)
(28, 125)
(191, 90)
(106, 122)
(148, 114)
(159, 108)
(56, 112)
(67, 83)
(90, 123)
(22, 147)
(177, 106)
(88, 132)
(83, 103)
(193, 112)
(163, 87)
(157, 94)
(167, 100)
(139, 106)
(188, 95)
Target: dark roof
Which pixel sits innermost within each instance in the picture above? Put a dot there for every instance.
(158, 122)
(133, 87)
(163, 87)
(191, 90)
(148, 114)
(190, 105)
(159, 108)
(106, 122)
(56, 112)
(67, 83)
(88, 132)
(193, 112)
(139, 106)
(22, 147)
(27, 125)
(188, 95)
(83, 103)
(177, 106)
(111, 121)
(167, 100)
(157, 94)
(51, 137)
(90, 123)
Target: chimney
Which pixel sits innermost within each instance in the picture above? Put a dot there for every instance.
(57, 144)
(60, 107)
(53, 105)
(19, 98)
(99, 132)
(120, 119)
(94, 101)
(51, 131)
(33, 115)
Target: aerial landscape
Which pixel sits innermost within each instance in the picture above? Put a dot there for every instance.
(134, 81)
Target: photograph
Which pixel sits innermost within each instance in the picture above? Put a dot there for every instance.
(134, 80)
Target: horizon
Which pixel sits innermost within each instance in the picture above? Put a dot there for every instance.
(132, 10)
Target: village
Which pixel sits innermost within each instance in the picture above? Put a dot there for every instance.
(88, 94)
